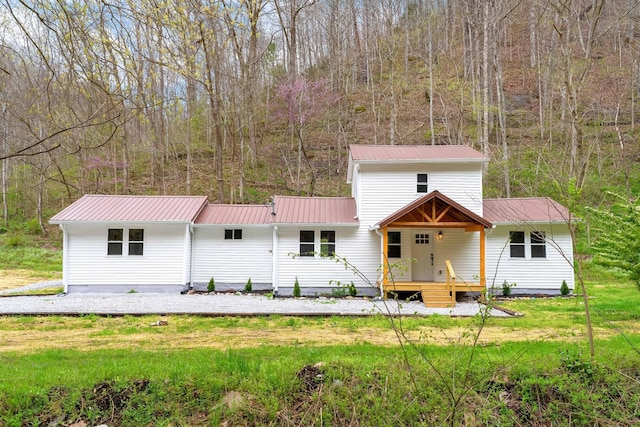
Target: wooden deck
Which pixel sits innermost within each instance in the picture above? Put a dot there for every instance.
(434, 294)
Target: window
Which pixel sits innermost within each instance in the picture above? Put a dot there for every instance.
(327, 243)
(538, 244)
(307, 241)
(235, 234)
(422, 239)
(516, 239)
(136, 241)
(394, 245)
(422, 183)
(114, 241)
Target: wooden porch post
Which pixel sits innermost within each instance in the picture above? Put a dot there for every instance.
(483, 273)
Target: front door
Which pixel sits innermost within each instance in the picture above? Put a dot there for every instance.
(422, 251)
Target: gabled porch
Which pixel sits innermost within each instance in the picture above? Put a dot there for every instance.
(423, 227)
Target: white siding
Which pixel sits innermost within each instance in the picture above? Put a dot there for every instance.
(161, 264)
(384, 189)
(357, 245)
(232, 261)
(530, 273)
(462, 248)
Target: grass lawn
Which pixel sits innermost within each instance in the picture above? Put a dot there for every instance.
(22, 264)
(278, 370)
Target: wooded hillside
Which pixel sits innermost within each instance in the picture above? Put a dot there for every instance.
(241, 100)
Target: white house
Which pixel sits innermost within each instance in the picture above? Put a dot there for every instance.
(416, 221)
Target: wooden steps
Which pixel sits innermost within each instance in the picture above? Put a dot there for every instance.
(434, 294)
(438, 298)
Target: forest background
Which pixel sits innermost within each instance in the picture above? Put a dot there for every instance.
(243, 100)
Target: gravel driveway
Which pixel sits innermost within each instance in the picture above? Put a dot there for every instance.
(219, 305)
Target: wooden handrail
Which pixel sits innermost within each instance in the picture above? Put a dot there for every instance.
(451, 277)
(450, 271)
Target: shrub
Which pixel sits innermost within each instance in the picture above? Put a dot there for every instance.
(564, 288)
(249, 286)
(32, 227)
(352, 290)
(296, 288)
(506, 288)
(339, 292)
(211, 287)
(15, 241)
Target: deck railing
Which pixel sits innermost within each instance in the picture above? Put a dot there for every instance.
(451, 278)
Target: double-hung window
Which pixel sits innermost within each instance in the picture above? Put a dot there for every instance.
(516, 244)
(115, 238)
(136, 241)
(538, 244)
(422, 183)
(307, 242)
(394, 244)
(327, 243)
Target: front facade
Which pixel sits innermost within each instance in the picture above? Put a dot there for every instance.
(416, 222)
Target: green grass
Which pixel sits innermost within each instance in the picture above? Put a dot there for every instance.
(364, 384)
(55, 290)
(39, 260)
(547, 380)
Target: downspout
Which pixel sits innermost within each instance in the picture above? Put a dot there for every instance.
(377, 231)
(274, 262)
(65, 259)
(191, 251)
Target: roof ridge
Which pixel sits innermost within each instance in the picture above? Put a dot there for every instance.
(144, 196)
(316, 197)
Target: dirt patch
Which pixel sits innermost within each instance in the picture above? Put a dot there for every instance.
(25, 335)
(311, 377)
(10, 279)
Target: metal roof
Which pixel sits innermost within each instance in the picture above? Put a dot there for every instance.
(219, 214)
(93, 207)
(414, 153)
(457, 212)
(525, 209)
(315, 210)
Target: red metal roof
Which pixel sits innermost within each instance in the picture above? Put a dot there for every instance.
(132, 208)
(457, 213)
(383, 153)
(525, 209)
(235, 215)
(314, 210)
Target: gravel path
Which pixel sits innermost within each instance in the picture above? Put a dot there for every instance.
(220, 305)
(32, 287)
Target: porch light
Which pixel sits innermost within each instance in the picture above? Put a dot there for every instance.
(440, 236)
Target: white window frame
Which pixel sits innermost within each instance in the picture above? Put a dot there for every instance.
(422, 187)
(327, 248)
(126, 242)
(307, 244)
(513, 245)
(233, 233)
(317, 247)
(394, 244)
(540, 238)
